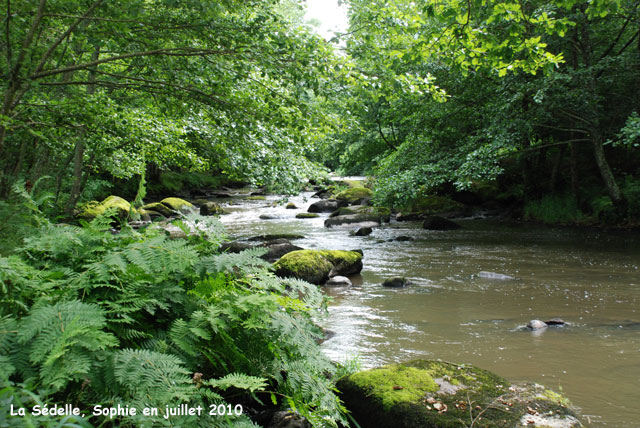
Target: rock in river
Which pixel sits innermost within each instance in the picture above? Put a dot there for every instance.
(395, 282)
(275, 236)
(338, 281)
(362, 231)
(537, 325)
(210, 208)
(351, 219)
(431, 394)
(326, 206)
(316, 266)
(439, 223)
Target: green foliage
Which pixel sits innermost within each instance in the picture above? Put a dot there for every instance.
(554, 209)
(137, 319)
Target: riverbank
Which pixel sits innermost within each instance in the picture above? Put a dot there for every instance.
(586, 276)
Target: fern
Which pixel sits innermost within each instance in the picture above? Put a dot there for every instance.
(64, 340)
(239, 381)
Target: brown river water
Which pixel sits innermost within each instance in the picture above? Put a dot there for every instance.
(589, 278)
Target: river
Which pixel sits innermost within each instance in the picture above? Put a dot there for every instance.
(589, 278)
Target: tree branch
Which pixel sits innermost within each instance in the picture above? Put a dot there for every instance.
(157, 52)
(64, 35)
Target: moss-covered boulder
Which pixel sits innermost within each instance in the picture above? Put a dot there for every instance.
(211, 208)
(354, 194)
(435, 394)
(178, 204)
(383, 212)
(160, 208)
(307, 215)
(429, 205)
(291, 206)
(93, 209)
(316, 266)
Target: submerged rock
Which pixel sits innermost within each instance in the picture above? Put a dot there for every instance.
(316, 266)
(494, 275)
(275, 236)
(307, 215)
(363, 231)
(439, 223)
(431, 394)
(338, 281)
(270, 217)
(536, 325)
(555, 322)
(395, 282)
(326, 206)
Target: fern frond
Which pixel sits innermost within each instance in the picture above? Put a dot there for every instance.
(239, 381)
(64, 340)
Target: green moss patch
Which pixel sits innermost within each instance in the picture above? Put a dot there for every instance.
(353, 194)
(433, 204)
(177, 204)
(93, 209)
(339, 256)
(256, 198)
(314, 266)
(395, 384)
(307, 215)
(160, 208)
(428, 394)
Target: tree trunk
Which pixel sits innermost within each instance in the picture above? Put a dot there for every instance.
(618, 199)
(78, 151)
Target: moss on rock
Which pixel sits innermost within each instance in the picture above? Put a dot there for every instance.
(94, 208)
(177, 204)
(160, 208)
(429, 394)
(211, 208)
(354, 194)
(307, 215)
(433, 204)
(314, 266)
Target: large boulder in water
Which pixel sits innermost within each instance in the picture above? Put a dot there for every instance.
(355, 194)
(435, 394)
(426, 206)
(211, 208)
(361, 219)
(326, 206)
(316, 266)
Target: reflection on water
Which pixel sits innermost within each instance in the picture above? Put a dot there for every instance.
(591, 279)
